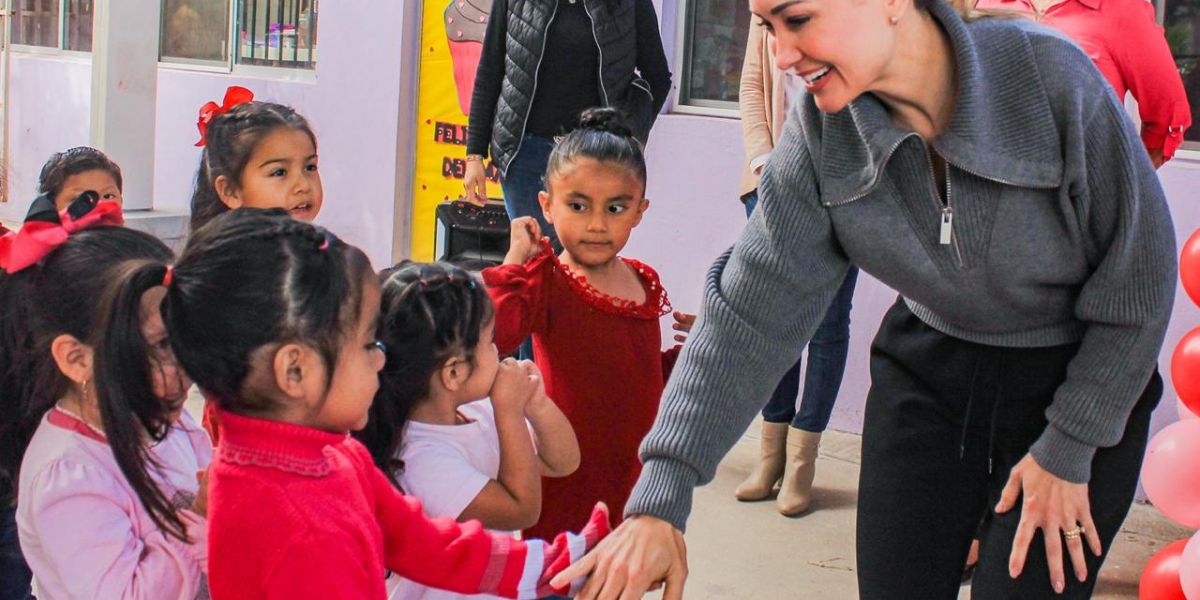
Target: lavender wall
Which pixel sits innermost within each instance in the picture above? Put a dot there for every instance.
(353, 102)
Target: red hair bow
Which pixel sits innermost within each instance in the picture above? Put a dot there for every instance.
(234, 96)
(44, 230)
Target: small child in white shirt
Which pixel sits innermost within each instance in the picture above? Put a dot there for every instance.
(470, 435)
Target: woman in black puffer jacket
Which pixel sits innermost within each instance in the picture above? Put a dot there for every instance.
(544, 62)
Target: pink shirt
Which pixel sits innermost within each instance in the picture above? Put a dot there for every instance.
(1127, 45)
(83, 529)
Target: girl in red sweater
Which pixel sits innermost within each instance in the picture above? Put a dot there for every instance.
(275, 320)
(593, 315)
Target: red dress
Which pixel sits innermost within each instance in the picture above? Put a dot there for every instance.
(602, 361)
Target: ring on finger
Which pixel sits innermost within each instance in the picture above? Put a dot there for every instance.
(1073, 534)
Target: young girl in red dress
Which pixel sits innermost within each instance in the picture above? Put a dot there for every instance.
(593, 315)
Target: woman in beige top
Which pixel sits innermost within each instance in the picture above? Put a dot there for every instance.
(789, 437)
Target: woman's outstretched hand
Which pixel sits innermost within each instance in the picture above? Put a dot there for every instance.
(1060, 509)
(641, 555)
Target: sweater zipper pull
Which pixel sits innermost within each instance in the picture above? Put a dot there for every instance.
(947, 231)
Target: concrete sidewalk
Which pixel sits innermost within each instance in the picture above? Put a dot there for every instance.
(748, 551)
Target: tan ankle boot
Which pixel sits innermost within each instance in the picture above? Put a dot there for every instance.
(762, 480)
(796, 491)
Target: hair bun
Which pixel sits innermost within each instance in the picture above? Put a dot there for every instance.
(605, 119)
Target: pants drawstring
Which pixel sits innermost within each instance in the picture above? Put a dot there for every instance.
(995, 409)
(962, 443)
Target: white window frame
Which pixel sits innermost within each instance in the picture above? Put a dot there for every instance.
(683, 105)
(230, 66)
(59, 50)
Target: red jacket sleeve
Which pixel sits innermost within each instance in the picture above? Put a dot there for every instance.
(1149, 70)
(463, 557)
(519, 295)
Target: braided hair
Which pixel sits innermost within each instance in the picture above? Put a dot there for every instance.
(229, 141)
(429, 314)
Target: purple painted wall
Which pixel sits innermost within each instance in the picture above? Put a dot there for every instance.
(353, 102)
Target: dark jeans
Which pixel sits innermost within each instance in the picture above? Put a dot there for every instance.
(827, 353)
(946, 421)
(14, 573)
(522, 182)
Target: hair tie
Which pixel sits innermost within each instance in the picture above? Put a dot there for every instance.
(168, 276)
(324, 245)
(234, 96)
(44, 229)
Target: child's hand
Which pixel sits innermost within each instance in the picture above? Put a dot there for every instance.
(523, 241)
(683, 322)
(538, 399)
(200, 504)
(513, 386)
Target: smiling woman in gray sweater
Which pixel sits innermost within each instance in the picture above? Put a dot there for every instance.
(984, 171)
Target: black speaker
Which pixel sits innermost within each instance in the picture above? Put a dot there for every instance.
(472, 237)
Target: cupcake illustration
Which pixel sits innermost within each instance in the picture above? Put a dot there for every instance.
(466, 23)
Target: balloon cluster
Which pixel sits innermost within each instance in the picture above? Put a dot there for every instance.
(1171, 472)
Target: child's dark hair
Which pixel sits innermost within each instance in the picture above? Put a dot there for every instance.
(19, 373)
(252, 279)
(428, 314)
(229, 141)
(603, 136)
(63, 165)
(59, 296)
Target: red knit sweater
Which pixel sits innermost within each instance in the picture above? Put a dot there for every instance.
(603, 364)
(299, 513)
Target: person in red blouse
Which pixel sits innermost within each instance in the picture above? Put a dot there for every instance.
(1126, 43)
(594, 316)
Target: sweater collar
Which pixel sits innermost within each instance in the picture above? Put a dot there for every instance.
(1002, 129)
(285, 447)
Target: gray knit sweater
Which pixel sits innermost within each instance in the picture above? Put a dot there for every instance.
(1059, 233)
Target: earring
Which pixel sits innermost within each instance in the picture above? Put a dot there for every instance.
(895, 20)
(85, 392)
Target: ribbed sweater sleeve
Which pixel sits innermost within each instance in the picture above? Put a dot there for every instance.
(763, 299)
(1126, 303)
(488, 78)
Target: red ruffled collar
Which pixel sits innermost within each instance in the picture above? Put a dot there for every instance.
(656, 305)
(274, 445)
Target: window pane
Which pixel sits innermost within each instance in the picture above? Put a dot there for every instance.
(1182, 24)
(79, 25)
(36, 22)
(277, 33)
(717, 43)
(195, 30)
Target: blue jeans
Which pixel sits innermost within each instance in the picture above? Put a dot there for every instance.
(14, 573)
(827, 353)
(525, 178)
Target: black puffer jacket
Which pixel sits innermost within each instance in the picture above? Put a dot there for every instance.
(633, 69)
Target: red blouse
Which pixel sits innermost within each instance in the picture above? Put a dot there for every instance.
(1130, 49)
(300, 513)
(602, 360)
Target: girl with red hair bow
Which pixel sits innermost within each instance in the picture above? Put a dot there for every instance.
(256, 155)
(100, 487)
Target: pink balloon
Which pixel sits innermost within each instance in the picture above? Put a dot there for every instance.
(1171, 472)
(1189, 569)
